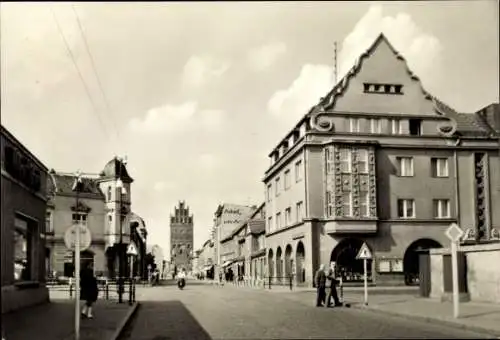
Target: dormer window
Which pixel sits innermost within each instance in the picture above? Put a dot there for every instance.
(383, 88)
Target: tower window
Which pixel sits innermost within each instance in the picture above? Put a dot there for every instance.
(387, 88)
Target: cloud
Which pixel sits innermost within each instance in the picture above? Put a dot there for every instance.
(208, 161)
(162, 186)
(312, 83)
(422, 51)
(198, 70)
(171, 118)
(263, 57)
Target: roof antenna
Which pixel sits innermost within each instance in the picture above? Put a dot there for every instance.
(335, 63)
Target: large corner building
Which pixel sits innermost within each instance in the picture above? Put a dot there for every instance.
(382, 161)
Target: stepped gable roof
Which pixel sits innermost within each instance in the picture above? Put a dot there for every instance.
(63, 184)
(466, 123)
(116, 169)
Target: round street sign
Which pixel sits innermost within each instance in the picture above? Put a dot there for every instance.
(70, 237)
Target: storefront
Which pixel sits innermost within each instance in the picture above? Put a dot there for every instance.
(24, 203)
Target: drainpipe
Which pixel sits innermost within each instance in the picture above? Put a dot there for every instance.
(457, 184)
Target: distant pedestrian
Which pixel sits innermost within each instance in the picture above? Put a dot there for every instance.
(320, 281)
(332, 276)
(89, 290)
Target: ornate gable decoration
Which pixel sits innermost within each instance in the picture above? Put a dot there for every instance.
(318, 114)
(81, 207)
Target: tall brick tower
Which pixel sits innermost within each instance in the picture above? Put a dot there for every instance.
(181, 237)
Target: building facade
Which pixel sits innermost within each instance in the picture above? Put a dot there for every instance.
(247, 247)
(181, 237)
(23, 204)
(227, 218)
(378, 161)
(105, 209)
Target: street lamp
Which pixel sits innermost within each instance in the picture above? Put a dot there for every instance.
(123, 191)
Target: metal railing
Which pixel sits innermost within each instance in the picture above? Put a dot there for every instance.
(107, 289)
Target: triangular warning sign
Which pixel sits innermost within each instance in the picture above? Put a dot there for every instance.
(131, 250)
(364, 252)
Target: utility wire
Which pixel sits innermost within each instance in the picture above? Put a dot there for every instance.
(79, 72)
(92, 62)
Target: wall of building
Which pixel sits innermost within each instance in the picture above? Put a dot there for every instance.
(287, 197)
(483, 278)
(302, 233)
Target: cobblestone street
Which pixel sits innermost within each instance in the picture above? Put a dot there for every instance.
(206, 312)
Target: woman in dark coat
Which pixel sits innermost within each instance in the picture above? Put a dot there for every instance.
(89, 290)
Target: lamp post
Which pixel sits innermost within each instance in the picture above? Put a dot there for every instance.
(123, 191)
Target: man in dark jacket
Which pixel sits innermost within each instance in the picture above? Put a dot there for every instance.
(332, 276)
(320, 281)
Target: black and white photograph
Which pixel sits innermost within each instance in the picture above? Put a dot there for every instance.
(208, 170)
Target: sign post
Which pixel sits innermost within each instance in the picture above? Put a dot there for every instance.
(131, 251)
(77, 237)
(365, 254)
(454, 233)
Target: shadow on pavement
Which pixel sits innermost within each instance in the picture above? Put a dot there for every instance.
(164, 320)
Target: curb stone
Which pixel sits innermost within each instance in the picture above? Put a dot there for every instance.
(489, 333)
(125, 321)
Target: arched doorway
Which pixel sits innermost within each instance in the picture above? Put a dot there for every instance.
(411, 259)
(270, 264)
(344, 254)
(288, 261)
(279, 264)
(300, 256)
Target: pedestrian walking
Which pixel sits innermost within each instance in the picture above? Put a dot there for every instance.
(320, 281)
(332, 276)
(89, 290)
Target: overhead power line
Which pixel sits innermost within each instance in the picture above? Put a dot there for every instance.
(94, 68)
(96, 111)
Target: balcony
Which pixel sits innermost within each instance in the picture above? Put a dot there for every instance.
(349, 226)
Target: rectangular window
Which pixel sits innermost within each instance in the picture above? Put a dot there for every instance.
(287, 179)
(363, 161)
(405, 166)
(396, 127)
(345, 160)
(347, 204)
(330, 211)
(439, 167)
(364, 204)
(353, 125)
(375, 125)
(49, 225)
(441, 208)
(22, 250)
(298, 171)
(415, 127)
(80, 218)
(299, 212)
(269, 192)
(277, 186)
(406, 208)
(288, 216)
(278, 220)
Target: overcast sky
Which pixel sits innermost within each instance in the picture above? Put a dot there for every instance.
(198, 94)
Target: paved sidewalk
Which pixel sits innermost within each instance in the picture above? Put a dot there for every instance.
(479, 317)
(55, 321)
